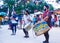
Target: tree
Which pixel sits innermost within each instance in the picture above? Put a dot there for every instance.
(10, 4)
(51, 7)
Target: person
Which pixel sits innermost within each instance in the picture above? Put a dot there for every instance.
(14, 16)
(0, 21)
(26, 19)
(47, 17)
(38, 17)
(34, 19)
(53, 19)
(13, 25)
(59, 19)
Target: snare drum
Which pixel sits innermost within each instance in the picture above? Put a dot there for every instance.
(27, 27)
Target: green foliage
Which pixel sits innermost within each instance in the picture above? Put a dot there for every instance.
(30, 6)
(10, 2)
(51, 7)
(19, 8)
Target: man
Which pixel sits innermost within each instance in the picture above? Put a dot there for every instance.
(15, 16)
(26, 19)
(14, 23)
(47, 17)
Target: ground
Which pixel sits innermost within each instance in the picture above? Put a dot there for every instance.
(6, 37)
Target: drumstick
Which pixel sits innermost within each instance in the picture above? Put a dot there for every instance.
(33, 34)
(37, 23)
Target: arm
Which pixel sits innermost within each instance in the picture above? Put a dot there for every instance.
(37, 23)
(46, 18)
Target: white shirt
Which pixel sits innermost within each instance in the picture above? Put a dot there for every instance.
(25, 19)
(13, 21)
(52, 16)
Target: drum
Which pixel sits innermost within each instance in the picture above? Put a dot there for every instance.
(41, 28)
(27, 26)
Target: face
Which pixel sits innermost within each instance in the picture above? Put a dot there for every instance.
(26, 13)
(45, 8)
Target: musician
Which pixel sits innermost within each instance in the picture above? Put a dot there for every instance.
(47, 17)
(13, 23)
(26, 19)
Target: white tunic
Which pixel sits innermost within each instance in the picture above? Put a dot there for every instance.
(26, 22)
(26, 19)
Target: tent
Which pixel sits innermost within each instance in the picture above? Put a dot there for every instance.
(3, 14)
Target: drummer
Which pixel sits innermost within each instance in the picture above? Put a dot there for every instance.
(26, 19)
(47, 17)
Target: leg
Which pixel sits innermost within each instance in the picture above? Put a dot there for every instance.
(9, 27)
(20, 24)
(46, 37)
(12, 29)
(0, 24)
(26, 33)
(15, 29)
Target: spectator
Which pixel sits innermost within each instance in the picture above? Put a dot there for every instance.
(55, 18)
(0, 21)
(13, 25)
